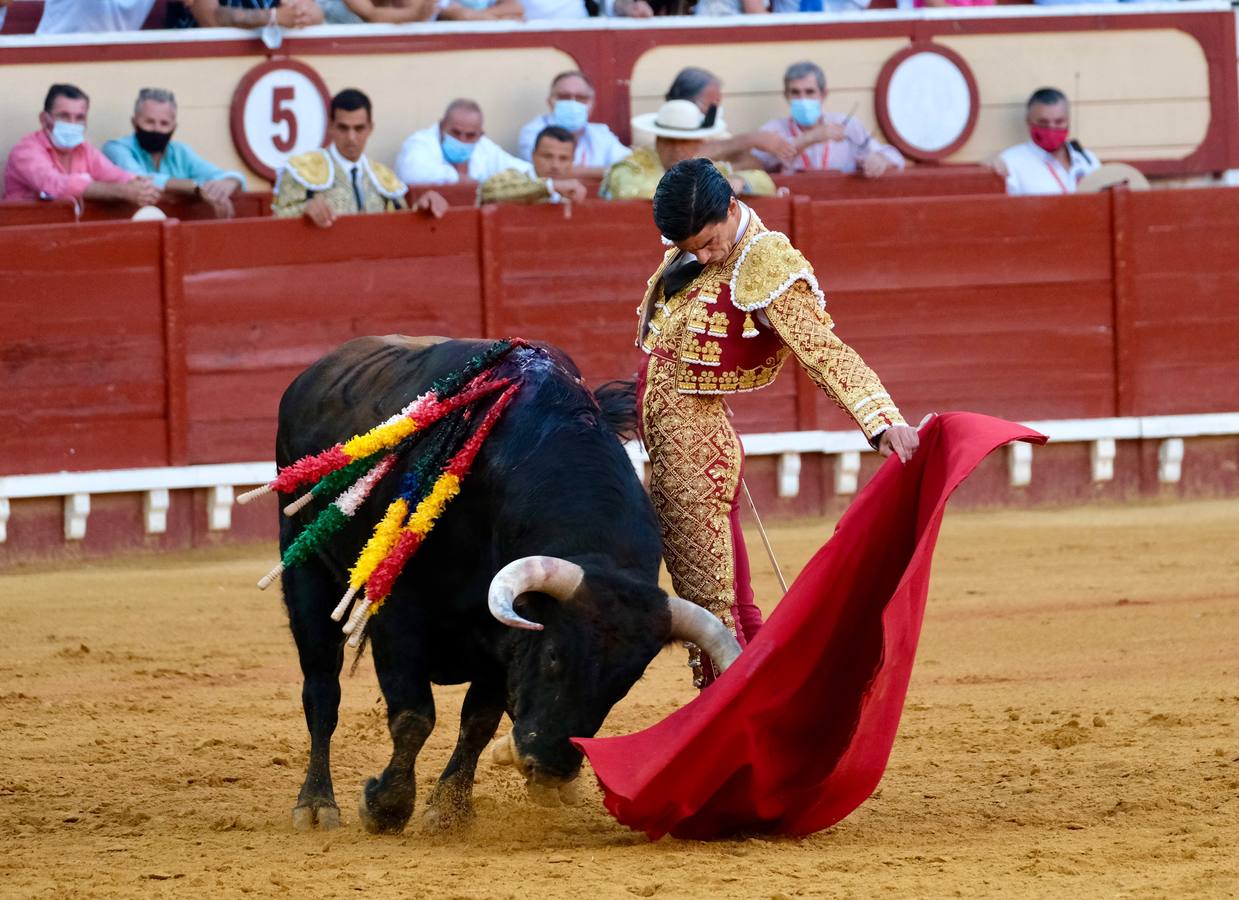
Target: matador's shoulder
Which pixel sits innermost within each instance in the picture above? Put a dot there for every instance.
(767, 267)
(311, 170)
(387, 182)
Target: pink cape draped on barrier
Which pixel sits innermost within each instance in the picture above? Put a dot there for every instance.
(797, 733)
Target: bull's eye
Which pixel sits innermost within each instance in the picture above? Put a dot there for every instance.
(550, 659)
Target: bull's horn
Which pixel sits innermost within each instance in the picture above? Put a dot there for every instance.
(547, 574)
(690, 622)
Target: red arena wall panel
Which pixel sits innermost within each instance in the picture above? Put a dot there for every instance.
(996, 305)
(264, 299)
(82, 358)
(1180, 335)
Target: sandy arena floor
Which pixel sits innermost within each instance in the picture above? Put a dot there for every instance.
(1072, 729)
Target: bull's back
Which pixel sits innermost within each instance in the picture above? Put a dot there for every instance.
(360, 384)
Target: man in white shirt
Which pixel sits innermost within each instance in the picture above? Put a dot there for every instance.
(571, 101)
(1049, 163)
(92, 16)
(454, 150)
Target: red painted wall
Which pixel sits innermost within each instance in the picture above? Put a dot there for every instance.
(133, 344)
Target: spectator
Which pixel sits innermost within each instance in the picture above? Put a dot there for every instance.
(706, 90)
(454, 150)
(571, 101)
(57, 162)
(479, 10)
(681, 131)
(246, 14)
(355, 12)
(92, 16)
(823, 140)
(322, 185)
(553, 154)
(1049, 163)
(795, 6)
(171, 165)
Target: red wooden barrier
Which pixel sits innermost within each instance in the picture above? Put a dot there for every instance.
(1180, 310)
(22, 213)
(246, 204)
(265, 298)
(915, 181)
(125, 344)
(82, 352)
(992, 304)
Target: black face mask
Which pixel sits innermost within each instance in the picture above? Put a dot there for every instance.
(153, 141)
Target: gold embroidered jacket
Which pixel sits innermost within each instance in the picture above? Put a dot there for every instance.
(636, 177)
(316, 174)
(733, 326)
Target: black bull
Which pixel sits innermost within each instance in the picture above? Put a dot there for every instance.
(552, 525)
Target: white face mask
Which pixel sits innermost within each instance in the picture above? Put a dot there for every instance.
(67, 135)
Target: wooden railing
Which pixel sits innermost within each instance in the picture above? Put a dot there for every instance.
(144, 344)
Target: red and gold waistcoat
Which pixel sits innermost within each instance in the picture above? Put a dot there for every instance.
(711, 328)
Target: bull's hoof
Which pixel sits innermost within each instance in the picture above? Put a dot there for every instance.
(449, 807)
(309, 816)
(377, 818)
(444, 819)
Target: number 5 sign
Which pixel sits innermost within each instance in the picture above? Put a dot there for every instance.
(279, 110)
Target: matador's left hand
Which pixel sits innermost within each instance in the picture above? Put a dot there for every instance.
(902, 440)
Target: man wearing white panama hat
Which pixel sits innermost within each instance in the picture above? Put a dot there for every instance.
(680, 130)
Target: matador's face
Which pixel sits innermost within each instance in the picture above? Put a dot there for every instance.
(714, 243)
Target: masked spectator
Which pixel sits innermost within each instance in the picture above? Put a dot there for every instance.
(58, 162)
(571, 102)
(823, 140)
(455, 149)
(171, 165)
(322, 185)
(1048, 163)
(681, 132)
(552, 181)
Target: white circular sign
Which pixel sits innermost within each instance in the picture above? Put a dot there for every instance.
(284, 115)
(929, 101)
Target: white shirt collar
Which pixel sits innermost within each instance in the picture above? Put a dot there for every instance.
(347, 165)
(745, 215)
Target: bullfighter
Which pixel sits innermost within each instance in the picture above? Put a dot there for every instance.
(722, 313)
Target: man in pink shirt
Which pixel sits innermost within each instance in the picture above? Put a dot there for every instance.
(56, 161)
(823, 140)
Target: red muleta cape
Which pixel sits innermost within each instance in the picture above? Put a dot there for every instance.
(797, 733)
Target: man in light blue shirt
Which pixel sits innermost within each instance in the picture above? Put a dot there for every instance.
(171, 165)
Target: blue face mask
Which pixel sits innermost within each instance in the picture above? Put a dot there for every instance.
(67, 135)
(455, 151)
(807, 111)
(570, 115)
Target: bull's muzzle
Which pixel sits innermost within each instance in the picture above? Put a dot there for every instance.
(544, 790)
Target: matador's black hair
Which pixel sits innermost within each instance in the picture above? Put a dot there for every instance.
(691, 195)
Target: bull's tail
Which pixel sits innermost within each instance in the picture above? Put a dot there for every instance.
(617, 401)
